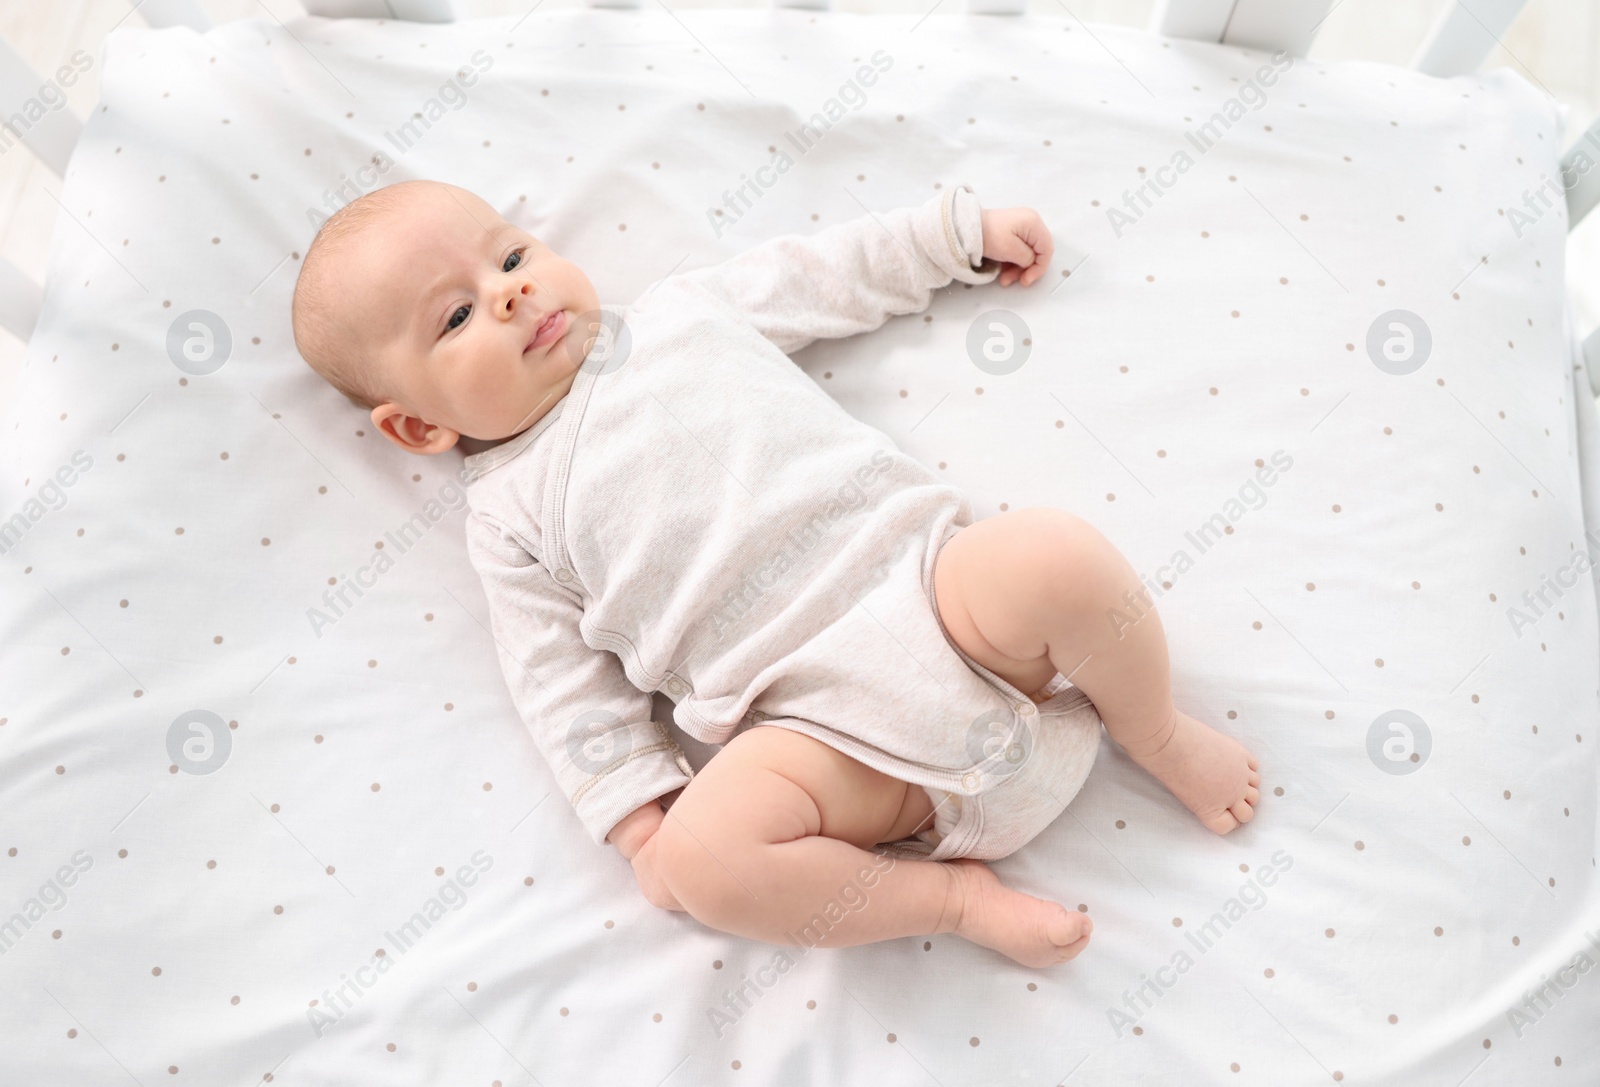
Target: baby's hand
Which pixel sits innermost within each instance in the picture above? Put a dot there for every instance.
(649, 877)
(635, 839)
(1018, 238)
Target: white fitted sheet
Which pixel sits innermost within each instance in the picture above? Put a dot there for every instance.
(373, 762)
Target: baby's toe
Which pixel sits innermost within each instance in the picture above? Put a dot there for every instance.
(1067, 927)
(1222, 822)
(1243, 812)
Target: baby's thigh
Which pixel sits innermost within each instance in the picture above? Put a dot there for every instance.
(771, 784)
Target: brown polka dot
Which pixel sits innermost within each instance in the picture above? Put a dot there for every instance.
(1437, 931)
(974, 1042)
(1121, 824)
(155, 971)
(390, 1047)
(1267, 972)
(1328, 933)
(890, 1039)
(1234, 1067)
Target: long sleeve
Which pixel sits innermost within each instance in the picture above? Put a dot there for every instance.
(589, 721)
(853, 276)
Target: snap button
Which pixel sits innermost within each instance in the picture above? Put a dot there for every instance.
(677, 686)
(563, 575)
(1027, 709)
(969, 781)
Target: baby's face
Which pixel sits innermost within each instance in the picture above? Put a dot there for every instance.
(452, 298)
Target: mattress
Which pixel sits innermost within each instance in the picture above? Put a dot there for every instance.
(1304, 354)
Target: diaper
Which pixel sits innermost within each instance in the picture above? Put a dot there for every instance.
(1047, 768)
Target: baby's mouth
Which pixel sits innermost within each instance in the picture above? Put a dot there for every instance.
(547, 330)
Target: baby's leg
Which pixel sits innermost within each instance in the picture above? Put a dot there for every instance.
(768, 842)
(1036, 591)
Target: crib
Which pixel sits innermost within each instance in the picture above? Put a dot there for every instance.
(1304, 353)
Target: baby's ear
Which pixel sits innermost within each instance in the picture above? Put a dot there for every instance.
(410, 433)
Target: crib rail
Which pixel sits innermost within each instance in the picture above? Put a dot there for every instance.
(1460, 40)
(1463, 36)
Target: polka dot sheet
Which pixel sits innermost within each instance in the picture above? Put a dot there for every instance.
(270, 816)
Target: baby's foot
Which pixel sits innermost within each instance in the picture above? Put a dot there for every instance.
(1213, 774)
(1030, 930)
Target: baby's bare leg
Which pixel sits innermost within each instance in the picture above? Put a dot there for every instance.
(1036, 591)
(768, 842)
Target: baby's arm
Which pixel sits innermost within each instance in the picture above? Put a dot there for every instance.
(591, 724)
(853, 276)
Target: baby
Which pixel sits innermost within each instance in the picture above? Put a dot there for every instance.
(662, 501)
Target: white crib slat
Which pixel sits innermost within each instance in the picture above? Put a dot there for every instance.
(1591, 360)
(411, 11)
(19, 301)
(164, 13)
(1274, 24)
(997, 7)
(1197, 20)
(1254, 24)
(1581, 166)
(34, 111)
(1463, 35)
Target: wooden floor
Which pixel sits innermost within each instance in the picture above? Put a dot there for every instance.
(1555, 43)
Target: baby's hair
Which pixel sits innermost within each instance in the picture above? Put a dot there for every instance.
(321, 334)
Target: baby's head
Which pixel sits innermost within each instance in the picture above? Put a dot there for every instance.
(420, 303)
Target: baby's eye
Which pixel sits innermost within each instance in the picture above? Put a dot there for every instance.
(518, 254)
(453, 322)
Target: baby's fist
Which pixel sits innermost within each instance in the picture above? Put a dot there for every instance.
(1018, 238)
